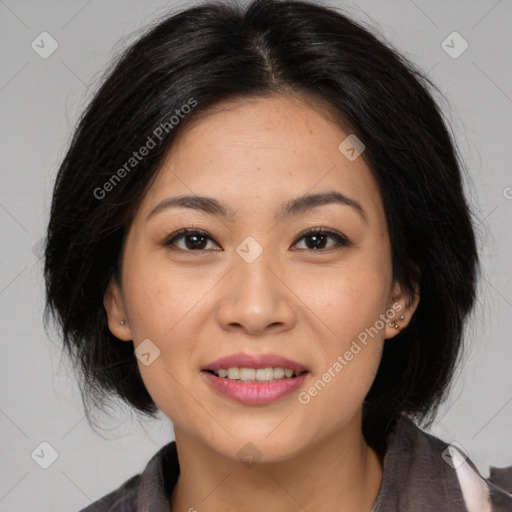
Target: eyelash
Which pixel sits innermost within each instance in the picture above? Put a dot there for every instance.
(341, 241)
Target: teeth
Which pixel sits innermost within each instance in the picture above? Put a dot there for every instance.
(264, 374)
(233, 373)
(259, 375)
(247, 373)
(278, 373)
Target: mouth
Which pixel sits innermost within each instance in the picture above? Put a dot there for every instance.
(266, 374)
(255, 379)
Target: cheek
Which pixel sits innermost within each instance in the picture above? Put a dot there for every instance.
(349, 302)
(158, 298)
(348, 354)
(164, 307)
(347, 299)
(335, 395)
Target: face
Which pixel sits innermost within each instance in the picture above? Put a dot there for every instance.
(261, 272)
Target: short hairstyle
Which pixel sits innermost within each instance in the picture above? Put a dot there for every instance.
(217, 51)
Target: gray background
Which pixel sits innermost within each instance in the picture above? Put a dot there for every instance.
(41, 100)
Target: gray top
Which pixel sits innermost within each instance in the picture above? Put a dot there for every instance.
(416, 477)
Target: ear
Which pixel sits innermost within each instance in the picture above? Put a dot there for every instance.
(401, 303)
(114, 306)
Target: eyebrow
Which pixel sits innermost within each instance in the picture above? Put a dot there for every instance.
(293, 207)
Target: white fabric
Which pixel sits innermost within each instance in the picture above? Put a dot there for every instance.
(474, 488)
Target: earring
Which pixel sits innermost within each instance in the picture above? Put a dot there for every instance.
(122, 322)
(395, 325)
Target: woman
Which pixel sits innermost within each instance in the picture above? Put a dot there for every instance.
(260, 229)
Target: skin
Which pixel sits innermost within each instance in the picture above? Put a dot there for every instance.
(197, 305)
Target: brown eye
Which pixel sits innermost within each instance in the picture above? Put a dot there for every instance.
(189, 240)
(317, 240)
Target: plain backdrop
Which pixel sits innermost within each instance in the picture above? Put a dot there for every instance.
(41, 99)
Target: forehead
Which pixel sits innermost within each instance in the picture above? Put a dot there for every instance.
(263, 150)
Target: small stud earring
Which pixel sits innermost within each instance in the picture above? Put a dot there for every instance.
(122, 322)
(395, 325)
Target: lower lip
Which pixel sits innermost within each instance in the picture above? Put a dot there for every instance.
(255, 392)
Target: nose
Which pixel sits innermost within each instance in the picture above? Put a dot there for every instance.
(255, 298)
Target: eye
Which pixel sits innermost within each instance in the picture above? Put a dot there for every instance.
(197, 240)
(318, 237)
(194, 240)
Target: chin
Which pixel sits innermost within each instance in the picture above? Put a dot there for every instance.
(252, 446)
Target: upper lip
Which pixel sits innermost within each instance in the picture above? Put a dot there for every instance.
(243, 360)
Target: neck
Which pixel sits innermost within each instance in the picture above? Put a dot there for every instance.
(340, 473)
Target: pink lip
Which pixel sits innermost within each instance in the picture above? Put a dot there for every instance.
(255, 392)
(243, 360)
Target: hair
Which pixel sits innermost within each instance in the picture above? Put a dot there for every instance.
(212, 52)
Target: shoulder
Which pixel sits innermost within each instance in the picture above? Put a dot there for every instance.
(149, 490)
(421, 470)
(119, 499)
(492, 494)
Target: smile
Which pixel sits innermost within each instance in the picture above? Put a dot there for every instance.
(252, 391)
(268, 374)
